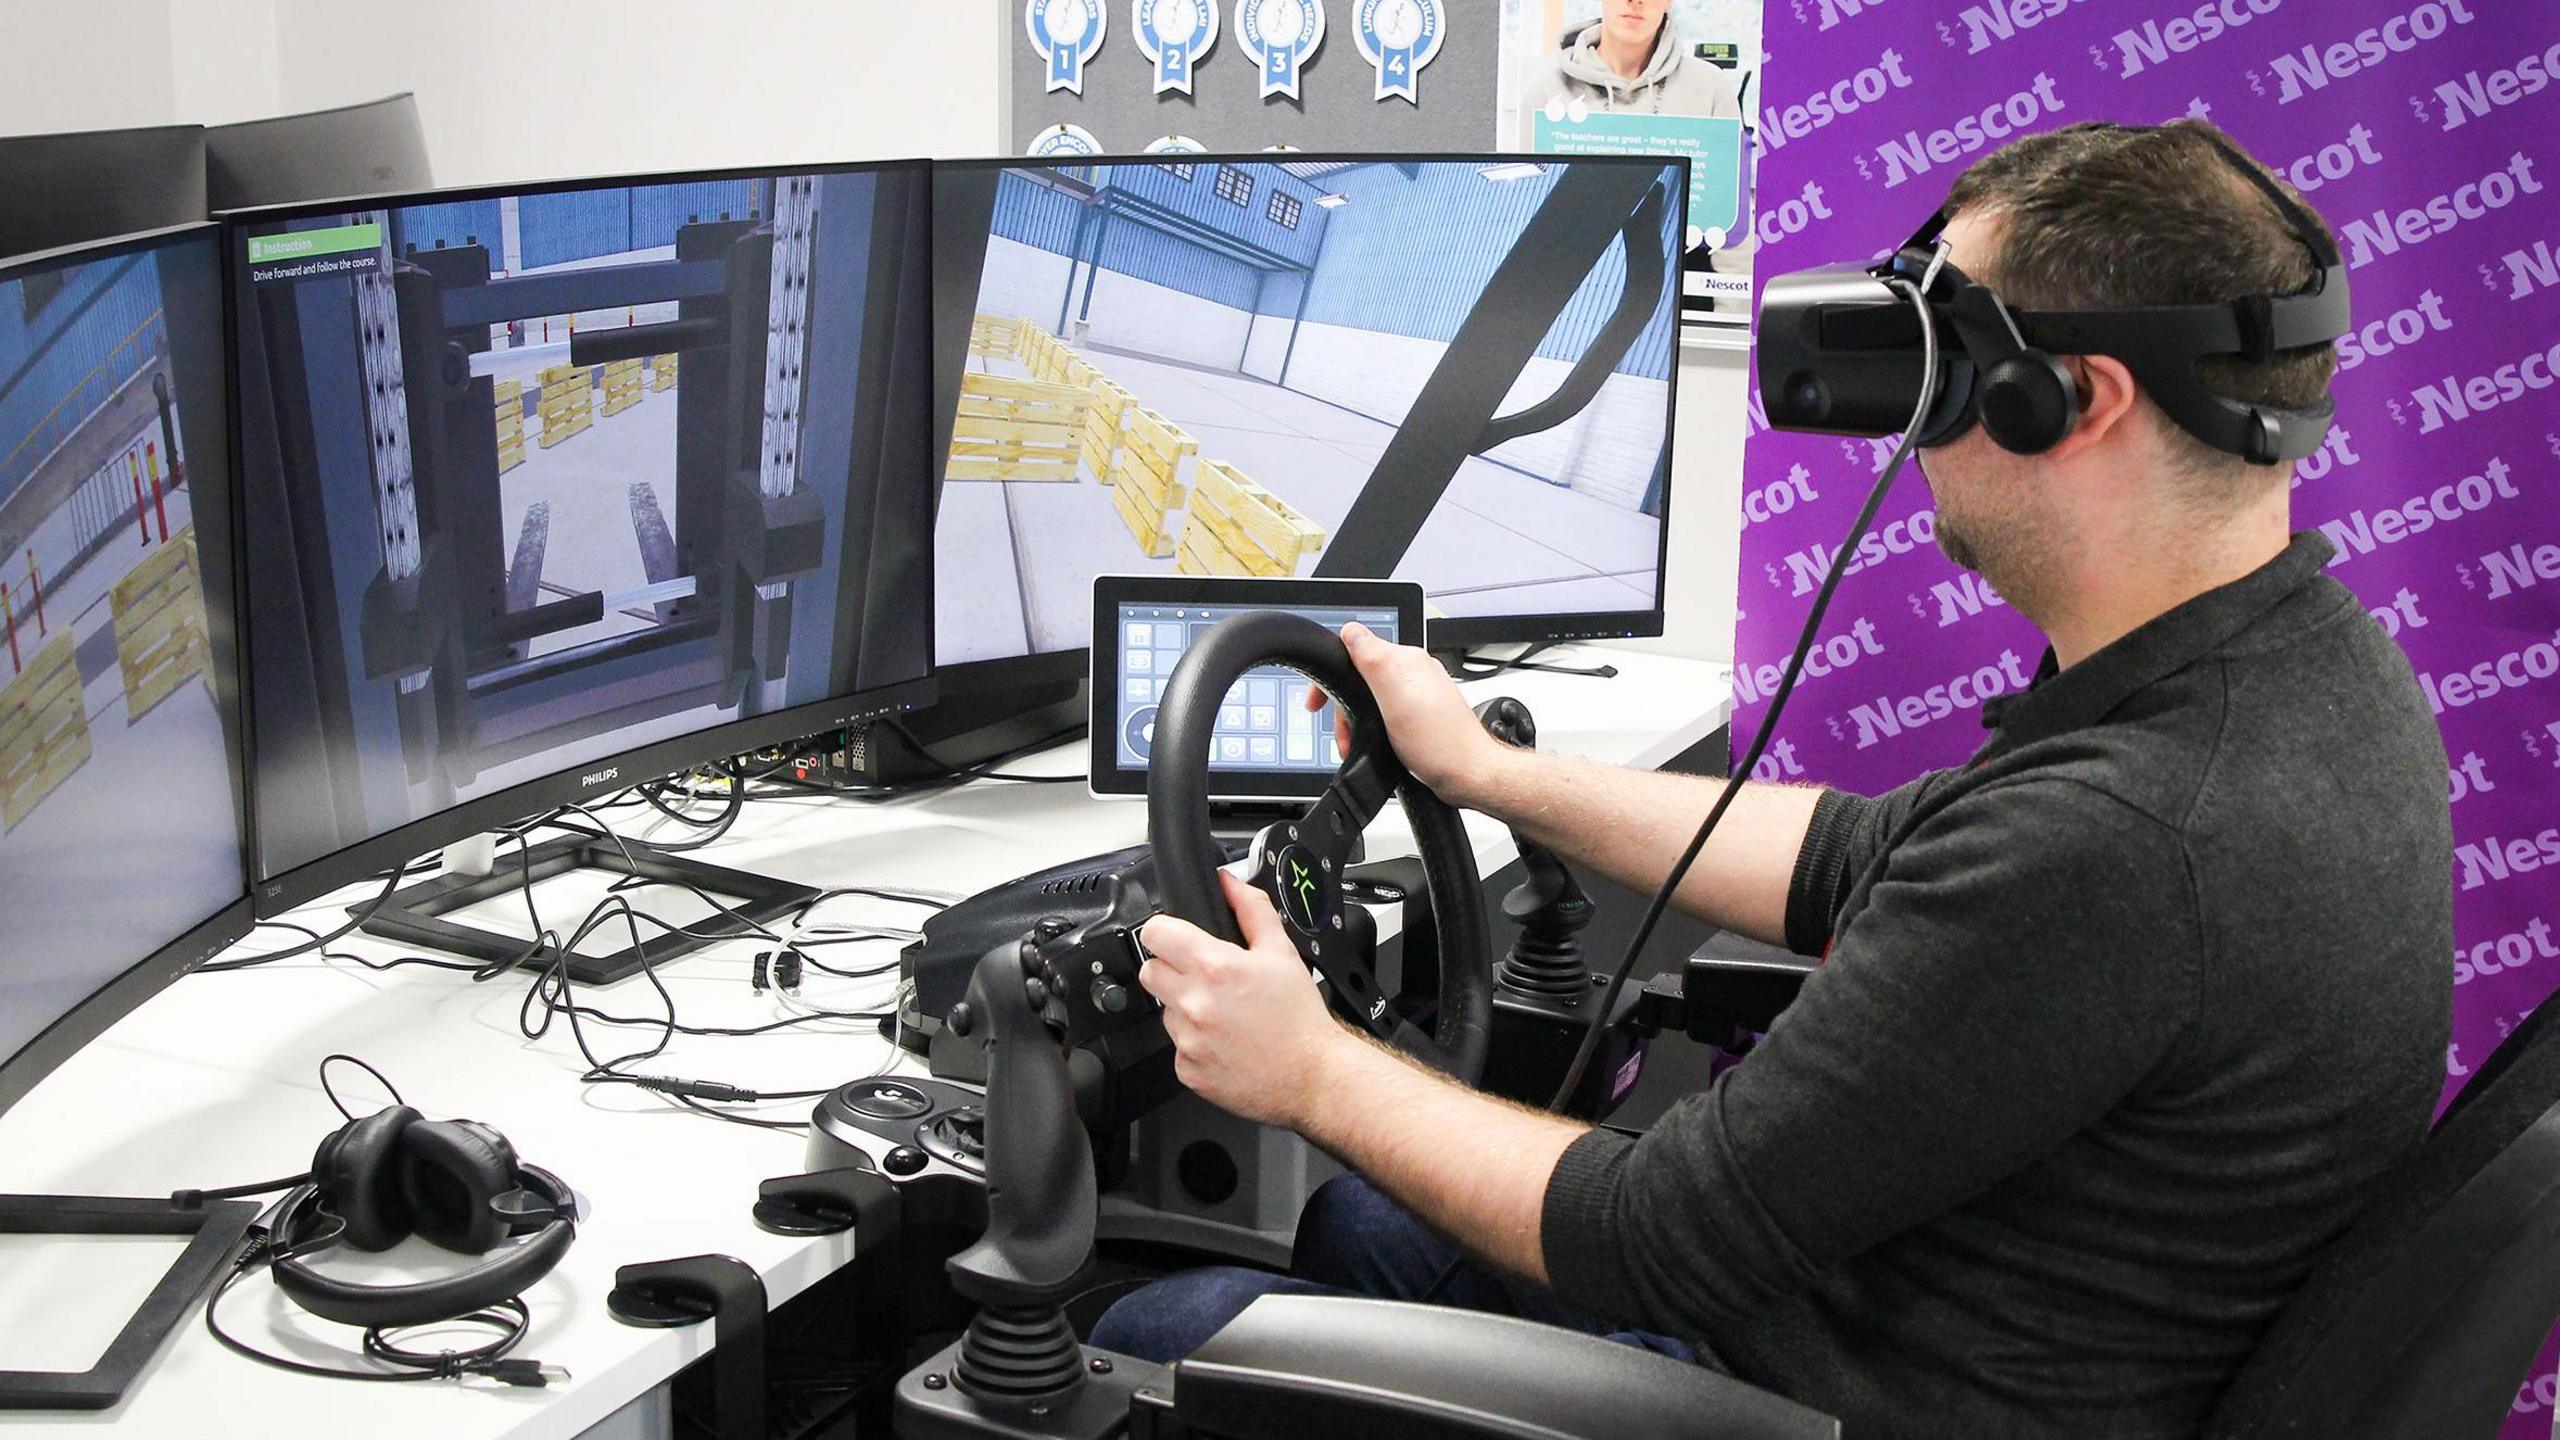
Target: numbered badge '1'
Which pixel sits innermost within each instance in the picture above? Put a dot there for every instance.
(1174, 35)
(1399, 37)
(1280, 35)
(1066, 33)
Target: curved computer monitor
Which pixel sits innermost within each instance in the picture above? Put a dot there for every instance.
(370, 149)
(120, 790)
(1453, 370)
(71, 189)
(555, 488)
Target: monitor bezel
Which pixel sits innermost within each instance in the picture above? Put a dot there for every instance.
(126, 991)
(1104, 777)
(1448, 633)
(600, 775)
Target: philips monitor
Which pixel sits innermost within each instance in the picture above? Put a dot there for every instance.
(563, 487)
(368, 149)
(120, 798)
(71, 189)
(1452, 370)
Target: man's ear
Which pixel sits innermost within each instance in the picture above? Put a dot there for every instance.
(2107, 393)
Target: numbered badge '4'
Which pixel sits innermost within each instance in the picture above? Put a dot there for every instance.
(1399, 37)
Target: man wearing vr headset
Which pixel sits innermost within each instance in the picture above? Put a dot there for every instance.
(2117, 1023)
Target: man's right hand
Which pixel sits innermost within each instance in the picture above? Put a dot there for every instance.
(1435, 733)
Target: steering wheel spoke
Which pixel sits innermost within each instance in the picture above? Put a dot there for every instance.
(1304, 866)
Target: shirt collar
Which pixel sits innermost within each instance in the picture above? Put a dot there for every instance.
(2060, 701)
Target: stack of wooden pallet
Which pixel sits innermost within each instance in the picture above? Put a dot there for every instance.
(1103, 422)
(621, 385)
(158, 613)
(1008, 429)
(510, 424)
(44, 730)
(568, 402)
(992, 335)
(1151, 477)
(1236, 527)
(662, 372)
(1039, 351)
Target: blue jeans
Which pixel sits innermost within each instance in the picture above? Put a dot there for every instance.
(1352, 1240)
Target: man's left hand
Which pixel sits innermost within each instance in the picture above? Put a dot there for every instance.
(1249, 1027)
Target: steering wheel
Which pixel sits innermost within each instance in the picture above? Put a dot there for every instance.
(1300, 864)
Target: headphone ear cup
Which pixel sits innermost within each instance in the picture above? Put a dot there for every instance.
(357, 1172)
(449, 1172)
(2028, 403)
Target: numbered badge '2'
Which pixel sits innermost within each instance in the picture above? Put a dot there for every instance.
(1066, 33)
(1174, 35)
(1399, 37)
(1280, 35)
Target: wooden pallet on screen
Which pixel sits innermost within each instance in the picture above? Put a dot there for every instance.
(1150, 479)
(1008, 429)
(44, 730)
(158, 614)
(568, 402)
(1236, 527)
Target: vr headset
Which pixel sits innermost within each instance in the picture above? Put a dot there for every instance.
(1841, 354)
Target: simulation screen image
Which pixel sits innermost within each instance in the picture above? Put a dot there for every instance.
(119, 812)
(540, 477)
(1451, 372)
(1264, 723)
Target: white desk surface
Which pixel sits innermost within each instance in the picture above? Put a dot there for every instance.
(214, 1082)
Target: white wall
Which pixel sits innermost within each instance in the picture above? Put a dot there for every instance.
(519, 91)
(512, 91)
(1706, 505)
(95, 65)
(224, 65)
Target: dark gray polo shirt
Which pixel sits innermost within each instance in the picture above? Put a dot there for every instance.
(2119, 1023)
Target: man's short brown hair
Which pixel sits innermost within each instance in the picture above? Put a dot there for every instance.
(2094, 216)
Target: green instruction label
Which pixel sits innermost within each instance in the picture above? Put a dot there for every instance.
(311, 244)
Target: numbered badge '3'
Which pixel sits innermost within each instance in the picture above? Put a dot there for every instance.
(1066, 33)
(1399, 37)
(1174, 35)
(1280, 35)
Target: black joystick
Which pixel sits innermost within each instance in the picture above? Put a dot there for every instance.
(1547, 905)
(1040, 1188)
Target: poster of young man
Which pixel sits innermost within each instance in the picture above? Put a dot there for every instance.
(1652, 77)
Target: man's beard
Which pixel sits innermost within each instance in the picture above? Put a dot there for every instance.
(1953, 545)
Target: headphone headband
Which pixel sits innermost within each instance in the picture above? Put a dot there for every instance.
(304, 1227)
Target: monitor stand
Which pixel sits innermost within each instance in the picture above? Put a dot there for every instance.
(415, 915)
(213, 1232)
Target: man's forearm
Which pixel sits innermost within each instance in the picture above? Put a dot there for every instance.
(1474, 1167)
(1630, 825)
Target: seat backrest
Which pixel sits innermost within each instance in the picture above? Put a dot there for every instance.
(2420, 1321)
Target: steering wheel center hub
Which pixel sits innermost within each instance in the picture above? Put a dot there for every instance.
(1304, 889)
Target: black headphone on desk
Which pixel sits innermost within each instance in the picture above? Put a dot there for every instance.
(453, 1183)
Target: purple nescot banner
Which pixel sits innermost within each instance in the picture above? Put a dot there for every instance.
(2428, 135)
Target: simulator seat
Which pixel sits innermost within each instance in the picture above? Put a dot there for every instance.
(2419, 1323)
(1299, 1365)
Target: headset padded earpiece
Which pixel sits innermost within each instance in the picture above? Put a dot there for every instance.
(357, 1172)
(449, 1171)
(2028, 402)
